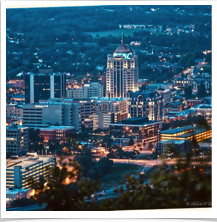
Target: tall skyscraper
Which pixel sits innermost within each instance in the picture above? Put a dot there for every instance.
(122, 72)
(44, 86)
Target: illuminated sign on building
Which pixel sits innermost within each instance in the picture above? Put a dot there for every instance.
(39, 106)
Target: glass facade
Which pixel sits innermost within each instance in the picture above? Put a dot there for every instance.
(44, 86)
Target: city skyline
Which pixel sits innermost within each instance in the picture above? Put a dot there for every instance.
(144, 106)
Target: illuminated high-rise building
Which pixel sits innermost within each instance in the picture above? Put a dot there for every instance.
(122, 72)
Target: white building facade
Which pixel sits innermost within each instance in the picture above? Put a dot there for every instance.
(107, 110)
(122, 72)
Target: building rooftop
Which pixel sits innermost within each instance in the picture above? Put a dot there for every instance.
(136, 121)
(19, 96)
(15, 191)
(194, 132)
(172, 141)
(122, 48)
(54, 127)
(202, 106)
(26, 161)
(14, 126)
(146, 95)
(178, 130)
(115, 99)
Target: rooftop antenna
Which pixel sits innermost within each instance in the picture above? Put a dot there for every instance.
(122, 38)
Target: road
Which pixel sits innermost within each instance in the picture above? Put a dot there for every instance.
(28, 208)
(110, 192)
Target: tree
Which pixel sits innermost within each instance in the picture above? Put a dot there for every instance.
(168, 188)
(23, 202)
(86, 163)
(150, 146)
(201, 90)
(102, 42)
(194, 146)
(34, 135)
(58, 194)
(73, 141)
(95, 172)
(131, 141)
(188, 92)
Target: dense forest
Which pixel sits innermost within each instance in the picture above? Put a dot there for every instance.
(78, 39)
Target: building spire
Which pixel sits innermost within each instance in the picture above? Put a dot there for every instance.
(122, 38)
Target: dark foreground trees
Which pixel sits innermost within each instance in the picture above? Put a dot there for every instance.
(61, 191)
(169, 187)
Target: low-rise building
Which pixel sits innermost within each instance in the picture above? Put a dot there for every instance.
(168, 147)
(14, 194)
(138, 127)
(181, 82)
(17, 83)
(203, 109)
(55, 132)
(14, 110)
(186, 133)
(193, 102)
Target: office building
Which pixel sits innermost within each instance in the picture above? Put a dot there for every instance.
(138, 127)
(170, 147)
(75, 93)
(86, 91)
(146, 104)
(86, 112)
(203, 109)
(193, 102)
(166, 95)
(19, 170)
(92, 90)
(44, 86)
(17, 139)
(109, 110)
(122, 72)
(53, 113)
(14, 110)
(186, 133)
(55, 132)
